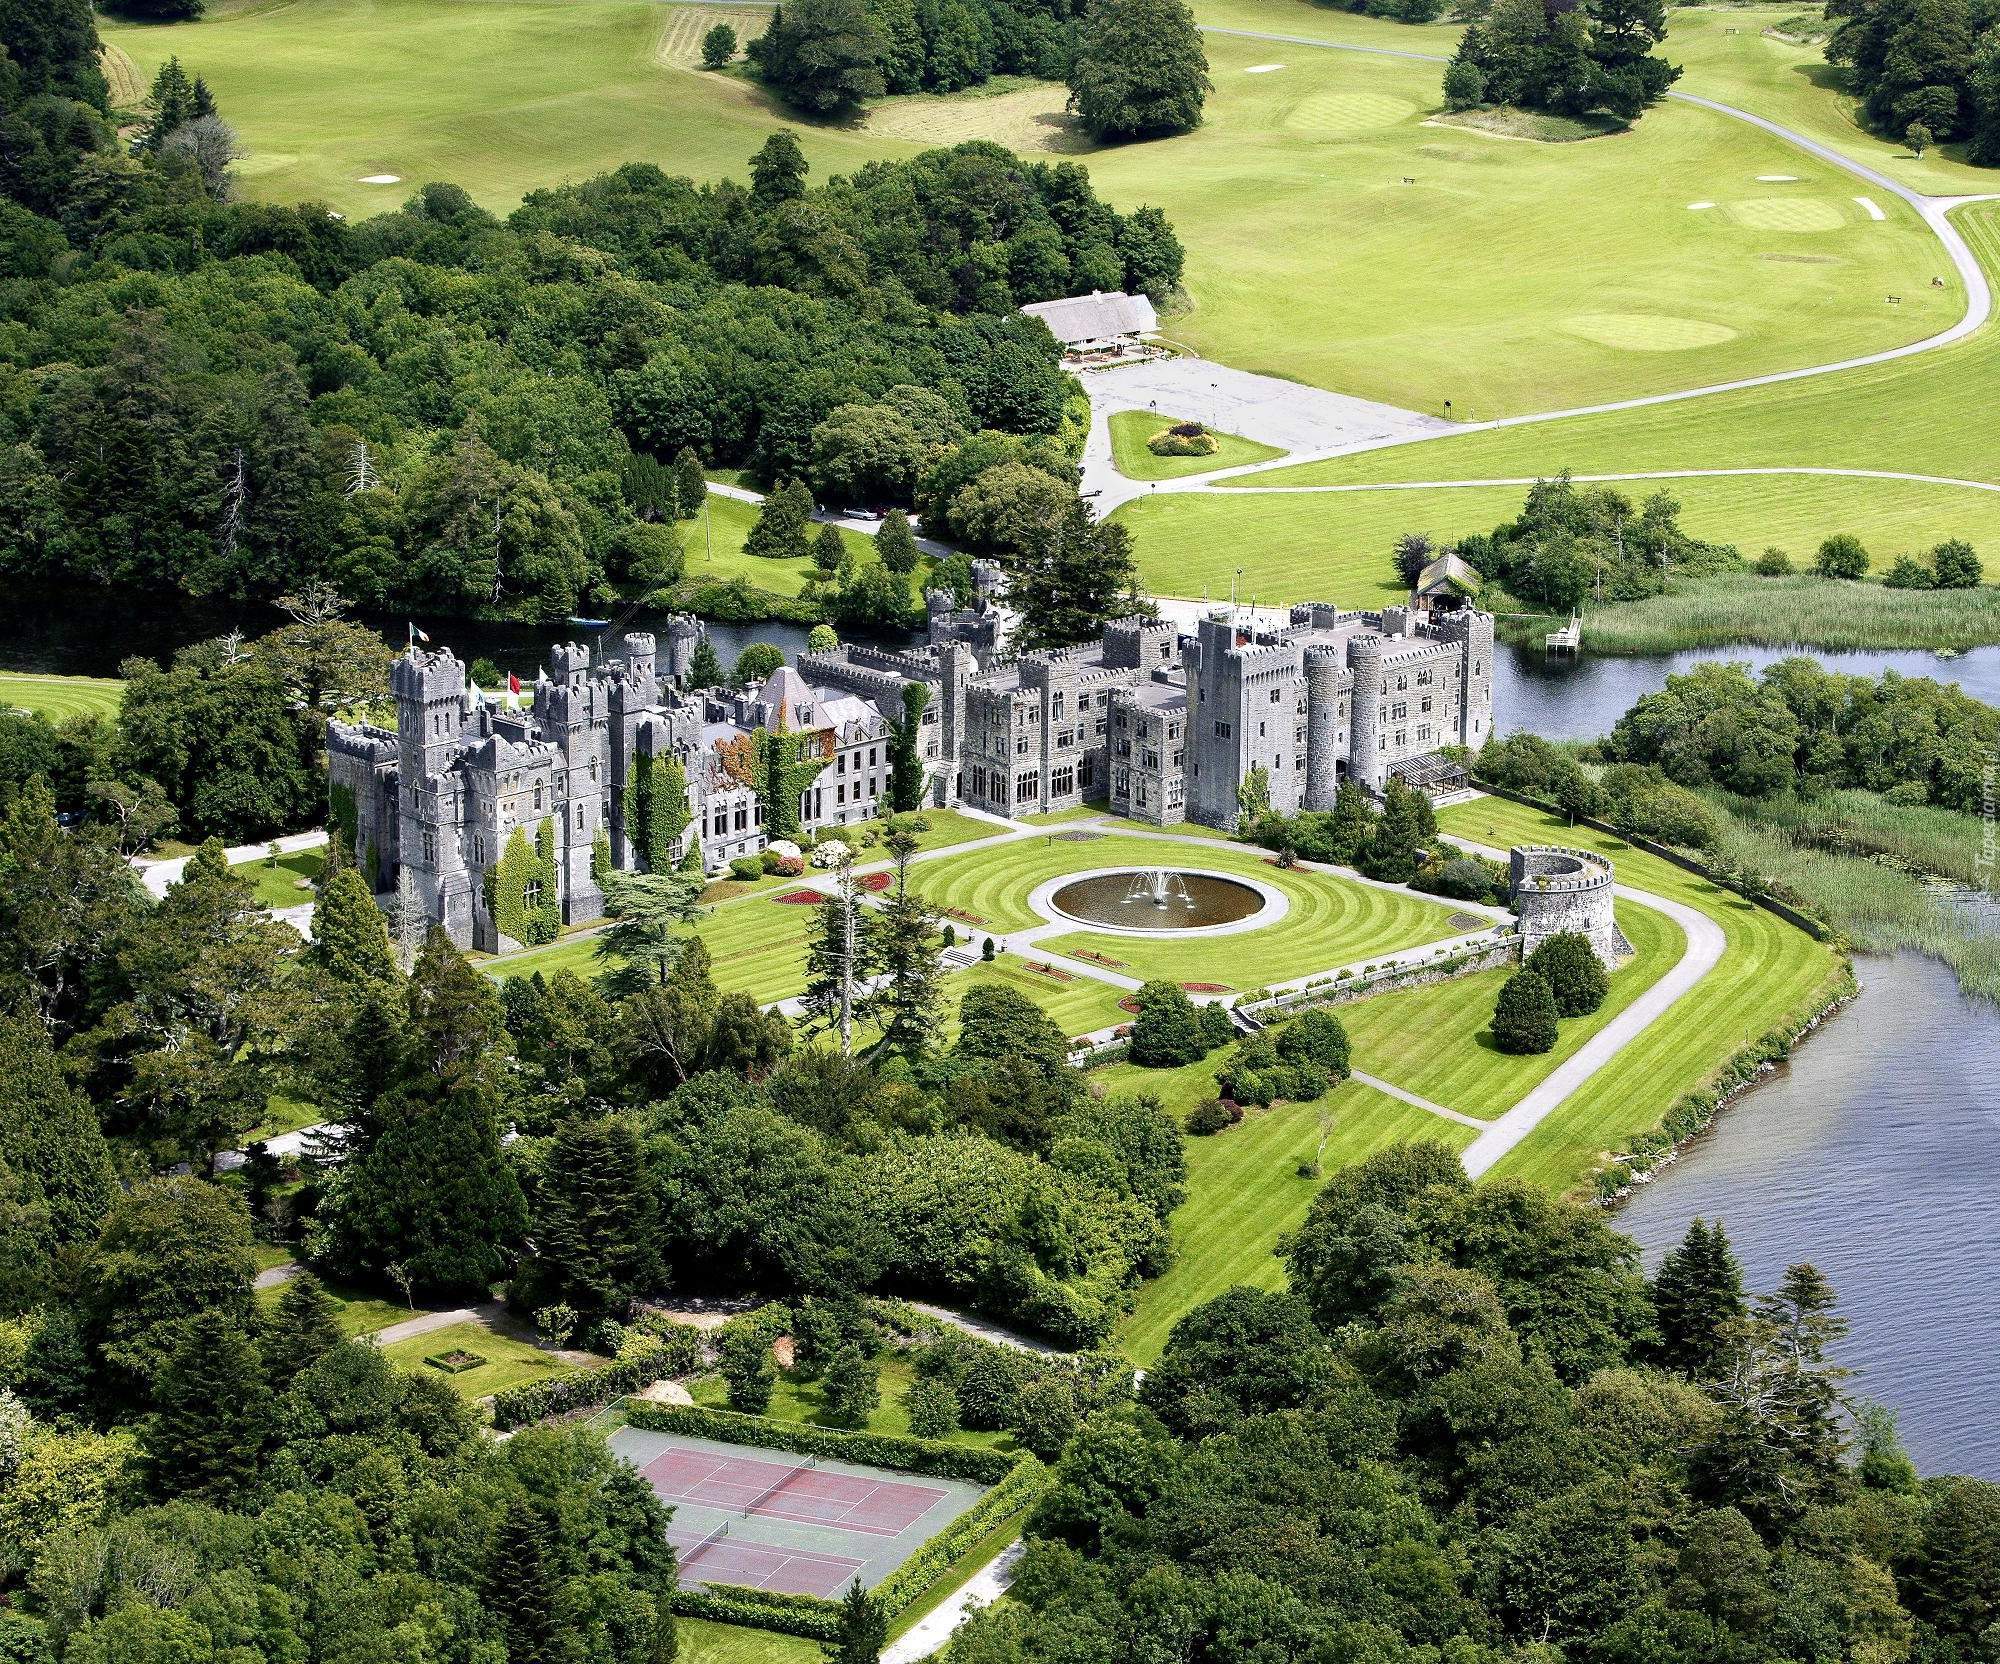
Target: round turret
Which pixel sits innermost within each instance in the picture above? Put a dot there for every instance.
(1323, 667)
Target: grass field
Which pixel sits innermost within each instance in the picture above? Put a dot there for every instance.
(1436, 1041)
(286, 882)
(355, 1312)
(701, 1641)
(1244, 1188)
(1080, 1006)
(715, 550)
(1130, 429)
(1768, 973)
(509, 1362)
(57, 697)
(794, 1398)
(1332, 921)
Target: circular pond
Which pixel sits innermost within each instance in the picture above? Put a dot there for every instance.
(1158, 900)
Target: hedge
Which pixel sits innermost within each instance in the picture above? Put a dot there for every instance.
(936, 1557)
(590, 1389)
(761, 1609)
(973, 1463)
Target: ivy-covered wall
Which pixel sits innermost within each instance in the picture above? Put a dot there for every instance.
(508, 881)
(658, 813)
(786, 765)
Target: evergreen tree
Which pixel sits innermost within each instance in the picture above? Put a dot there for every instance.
(1697, 1302)
(906, 754)
(212, 1416)
(860, 1631)
(912, 992)
(1139, 71)
(932, 1407)
(896, 545)
(596, 1220)
(743, 1356)
(454, 1026)
(829, 551)
(780, 532)
(652, 917)
(1167, 1031)
(300, 1330)
(690, 483)
(852, 1385)
(1399, 838)
(521, 1584)
(778, 170)
(350, 935)
(705, 669)
(1524, 1017)
(824, 56)
(50, 1138)
(668, 1030)
(841, 961)
(170, 103)
(1077, 578)
(1569, 965)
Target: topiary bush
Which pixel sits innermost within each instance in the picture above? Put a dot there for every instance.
(1524, 1017)
(1183, 439)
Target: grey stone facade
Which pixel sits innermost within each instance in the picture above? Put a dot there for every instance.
(1557, 890)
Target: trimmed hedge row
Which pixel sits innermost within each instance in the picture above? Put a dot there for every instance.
(876, 1450)
(591, 1389)
(916, 1574)
(816, 1620)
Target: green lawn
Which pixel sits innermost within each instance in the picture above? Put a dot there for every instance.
(356, 1313)
(704, 1642)
(509, 1362)
(57, 697)
(287, 881)
(1331, 921)
(1130, 429)
(1244, 1188)
(1768, 973)
(1436, 1041)
(714, 547)
(1081, 1005)
(797, 1399)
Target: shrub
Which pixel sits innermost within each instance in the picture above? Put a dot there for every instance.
(744, 1357)
(1575, 975)
(1316, 1040)
(1183, 439)
(1216, 1028)
(853, 1387)
(1524, 1017)
(1208, 1118)
(1909, 573)
(1045, 1417)
(1955, 566)
(932, 1406)
(747, 868)
(1773, 563)
(1167, 1032)
(1465, 878)
(986, 950)
(674, 1349)
(1464, 86)
(1841, 556)
(974, 1463)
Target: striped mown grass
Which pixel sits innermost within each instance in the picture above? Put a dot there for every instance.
(57, 697)
(1132, 429)
(1245, 1190)
(1437, 1041)
(1770, 974)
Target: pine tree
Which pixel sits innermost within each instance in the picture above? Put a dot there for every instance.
(1524, 1017)
(596, 1222)
(300, 1330)
(896, 545)
(780, 531)
(212, 1419)
(690, 483)
(861, 1629)
(1075, 580)
(653, 916)
(50, 1137)
(743, 1357)
(829, 551)
(912, 977)
(705, 669)
(453, 1022)
(350, 935)
(841, 961)
(520, 1584)
(172, 104)
(1697, 1302)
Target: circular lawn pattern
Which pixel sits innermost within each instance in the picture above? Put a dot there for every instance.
(1646, 331)
(1348, 112)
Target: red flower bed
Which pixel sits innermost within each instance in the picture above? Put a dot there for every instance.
(1050, 971)
(800, 898)
(876, 882)
(1205, 987)
(1129, 1003)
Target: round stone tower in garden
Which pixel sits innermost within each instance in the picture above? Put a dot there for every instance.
(1557, 890)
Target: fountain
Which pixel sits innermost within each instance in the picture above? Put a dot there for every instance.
(1159, 886)
(1160, 898)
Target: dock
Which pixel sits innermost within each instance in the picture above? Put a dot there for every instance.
(1566, 641)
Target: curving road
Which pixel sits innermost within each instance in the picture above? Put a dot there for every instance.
(1186, 484)
(1934, 211)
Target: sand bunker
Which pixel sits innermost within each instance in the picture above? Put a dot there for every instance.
(1870, 209)
(1696, 207)
(382, 179)
(1263, 69)
(1777, 178)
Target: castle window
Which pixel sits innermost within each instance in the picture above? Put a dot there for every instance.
(579, 817)
(593, 771)
(430, 847)
(1402, 737)
(1399, 710)
(531, 894)
(1427, 704)
(1086, 772)
(1026, 787)
(538, 796)
(1222, 730)
(1277, 694)
(1424, 734)
(1062, 781)
(1056, 707)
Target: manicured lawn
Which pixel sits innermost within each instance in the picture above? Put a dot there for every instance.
(1081, 1005)
(704, 1642)
(797, 1399)
(1130, 429)
(1331, 921)
(357, 1313)
(287, 881)
(509, 1362)
(283, 1114)
(757, 944)
(714, 549)
(1768, 972)
(1244, 1189)
(1436, 1041)
(56, 697)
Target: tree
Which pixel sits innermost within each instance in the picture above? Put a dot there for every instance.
(932, 1407)
(1166, 1032)
(1045, 1417)
(1412, 553)
(780, 531)
(350, 935)
(211, 1417)
(690, 481)
(1841, 556)
(743, 1355)
(841, 960)
(1955, 566)
(170, 104)
(860, 1629)
(852, 1387)
(171, 1250)
(299, 1330)
(1139, 71)
(705, 668)
(912, 977)
(1918, 137)
(596, 1220)
(1524, 1017)
(1464, 85)
(824, 56)
(1569, 965)
(896, 544)
(652, 917)
(718, 46)
(52, 1148)
(756, 664)
(1077, 577)
(829, 552)
(521, 1583)
(1247, 1352)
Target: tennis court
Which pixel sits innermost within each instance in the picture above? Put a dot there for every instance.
(770, 1519)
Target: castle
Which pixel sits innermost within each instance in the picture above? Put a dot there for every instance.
(1163, 727)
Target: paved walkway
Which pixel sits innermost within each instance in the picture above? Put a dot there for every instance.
(930, 1633)
(158, 875)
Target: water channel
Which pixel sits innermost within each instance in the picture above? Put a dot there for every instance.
(1872, 1153)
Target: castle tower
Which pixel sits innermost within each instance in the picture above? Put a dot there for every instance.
(639, 654)
(1365, 765)
(1323, 756)
(1475, 666)
(429, 689)
(683, 636)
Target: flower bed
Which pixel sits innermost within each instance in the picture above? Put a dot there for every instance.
(455, 1362)
(964, 915)
(876, 882)
(1041, 967)
(800, 898)
(1205, 987)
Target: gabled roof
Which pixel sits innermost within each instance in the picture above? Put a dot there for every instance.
(1096, 316)
(1448, 575)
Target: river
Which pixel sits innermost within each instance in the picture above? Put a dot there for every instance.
(1870, 1153)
